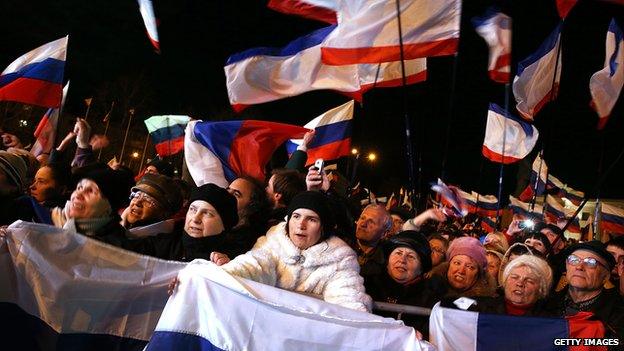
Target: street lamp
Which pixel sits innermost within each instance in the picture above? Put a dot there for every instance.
(135, 154)
(372, 157)
(354, 151)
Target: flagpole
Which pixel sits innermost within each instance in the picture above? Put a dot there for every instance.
(408, 129)
(502, 165)
(144, 150)
(597, 232)
(88, 109)
(107, 118)
(123, 146)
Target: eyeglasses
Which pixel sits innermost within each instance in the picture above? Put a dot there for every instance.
(589, 262)
(141, 196)
(438, 250)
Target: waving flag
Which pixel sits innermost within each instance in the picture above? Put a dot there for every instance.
(575, 196)
(320, 10)
(564, 7)
(60, 290)
(612, 218)
(554, 210)
(212, 310)
(485, 205)
(147, 12)
(605, 85)
(523, 208)
(455, 330)
(537, 180)
(218, 152)
(167, 133)
(518, 137)
(451, 196)
(36, 77)
(368, 31)
(332, 139)
(46, 129)
(533, 86)
(495, 27)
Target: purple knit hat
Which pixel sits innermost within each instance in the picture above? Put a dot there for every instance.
(470, 247)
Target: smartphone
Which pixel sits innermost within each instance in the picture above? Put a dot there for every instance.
(319, 164)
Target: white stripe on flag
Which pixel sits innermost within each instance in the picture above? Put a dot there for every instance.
(451, 329)
(202, 164)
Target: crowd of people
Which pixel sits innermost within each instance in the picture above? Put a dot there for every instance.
(299, 232)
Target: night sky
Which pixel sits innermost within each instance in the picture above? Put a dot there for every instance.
(110, 58)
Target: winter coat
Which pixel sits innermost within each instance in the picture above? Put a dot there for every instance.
(484, 286)
(329, 268)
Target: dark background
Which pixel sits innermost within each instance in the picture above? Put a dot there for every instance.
(110, 59)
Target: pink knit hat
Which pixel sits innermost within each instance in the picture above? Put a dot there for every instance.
(470, 247)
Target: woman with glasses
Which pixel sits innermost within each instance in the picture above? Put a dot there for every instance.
(588, 266)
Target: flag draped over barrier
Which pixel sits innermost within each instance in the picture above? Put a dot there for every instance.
(211, 310)
(63, 290)
(37, 76)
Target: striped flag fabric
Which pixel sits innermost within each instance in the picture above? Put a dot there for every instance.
(60, 290)
(219, 152)
(36, 77)
(495, 28)
(320, 10)
(502, 128)
(538, 179)
(451, 196)
(524, 209)
(451, 329)
(367, 31)
(45, 133)
(605, 85)
(167, 133)
(212, 310)
(612, 218)
(534, 85)
(485, 205)
(147, 13)
(332, 139)
(554, 211)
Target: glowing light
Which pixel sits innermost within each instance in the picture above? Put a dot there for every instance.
(372, 157)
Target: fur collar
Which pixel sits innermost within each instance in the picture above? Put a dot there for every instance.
(331, 250)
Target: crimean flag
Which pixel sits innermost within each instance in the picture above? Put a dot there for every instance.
(538, 76)
(605, 85)
(167, 133)
(367, 31)
(538, 180)
(218, 152)
(332, 138)
(147, 13)
(36, 77)
(524, 209)
(46, 129)
(517, 136)
(495, 28)
(454, 330)
(320, 10)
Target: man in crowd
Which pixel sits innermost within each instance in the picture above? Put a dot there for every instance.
(283, 185)
(374, 223)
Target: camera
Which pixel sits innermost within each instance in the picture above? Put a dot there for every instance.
(526, 224)
(319, 164)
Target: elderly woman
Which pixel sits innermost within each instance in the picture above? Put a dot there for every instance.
(465, 273)
(303, 255)
(408, 259)
(515, 250)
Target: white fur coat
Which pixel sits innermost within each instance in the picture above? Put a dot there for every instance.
(329, 269)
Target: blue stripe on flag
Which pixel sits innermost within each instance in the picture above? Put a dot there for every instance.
(528, 128)
(490, 13)
(330, 133)
(218, 138)
(510, 333)
(291, 147)
(164, 134)
(547, 46)
(162, 341)
(50, 70)
(294, 47)
(612, 218)
(619, 36)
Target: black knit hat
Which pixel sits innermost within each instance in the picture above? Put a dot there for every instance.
(221, 200)
(163, 167)
(161, 188)
(114, 185)
(317, 202)
(596, 247)
(413, 240)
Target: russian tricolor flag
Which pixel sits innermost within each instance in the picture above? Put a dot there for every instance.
(495, 28)
(458, 330)
(332, 137)
(46, 129)
(612, 218)
(555, 211)
(453, 197)
(36, 77)
(517, 136)
(147, 12)
(167, 133)
(367, 31)
(575, 196)
(524, 209)
(485, 205)
(605, 85)
(533, 85)
(212, 310)
(219, 152)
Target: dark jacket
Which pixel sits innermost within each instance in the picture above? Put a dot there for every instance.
(424, 293)
(241, 239)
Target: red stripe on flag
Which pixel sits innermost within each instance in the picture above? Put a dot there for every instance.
(392, 83)
(33, 91)
(177, 145)
(294, 7)
(496, 157)
(330, 151)
(340, 56)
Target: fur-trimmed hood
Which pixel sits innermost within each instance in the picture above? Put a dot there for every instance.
(484, 286)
